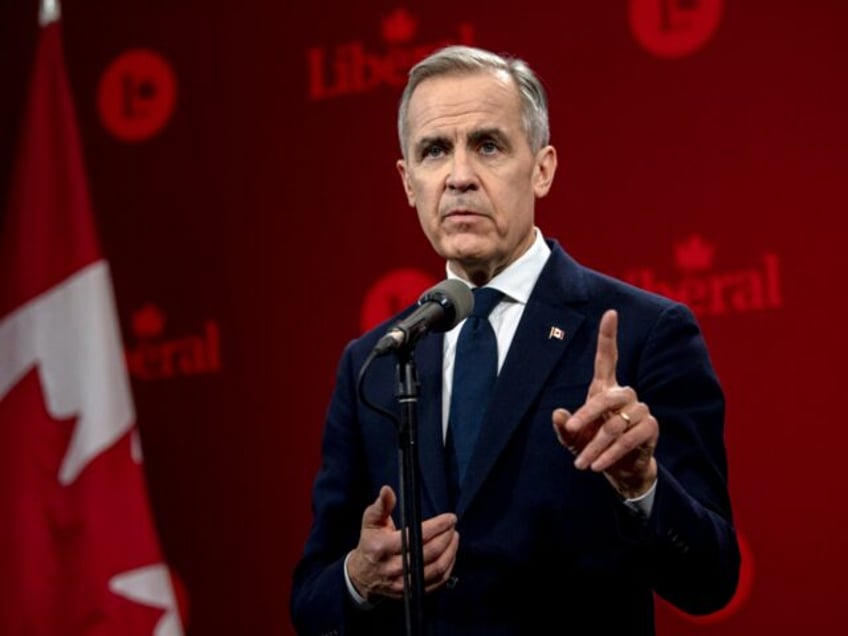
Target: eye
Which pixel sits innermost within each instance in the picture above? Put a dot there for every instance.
(489, 147)
(433, 151)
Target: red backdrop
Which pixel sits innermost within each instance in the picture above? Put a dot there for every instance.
(241, 162)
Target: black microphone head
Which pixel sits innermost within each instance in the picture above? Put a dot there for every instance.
(456, 299)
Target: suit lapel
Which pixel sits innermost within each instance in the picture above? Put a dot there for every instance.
(534, 352)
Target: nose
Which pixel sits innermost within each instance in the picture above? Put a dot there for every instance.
(462, 176)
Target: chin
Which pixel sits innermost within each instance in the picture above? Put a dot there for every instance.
(466, 247)
(468, 256)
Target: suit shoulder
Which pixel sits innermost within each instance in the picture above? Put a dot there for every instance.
(604, 291)
(616, 287)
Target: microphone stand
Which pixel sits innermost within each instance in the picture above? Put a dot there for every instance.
(406, 392)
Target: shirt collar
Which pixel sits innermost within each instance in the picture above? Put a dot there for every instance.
(518, 279)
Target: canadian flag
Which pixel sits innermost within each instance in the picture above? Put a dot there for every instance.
(79, 553)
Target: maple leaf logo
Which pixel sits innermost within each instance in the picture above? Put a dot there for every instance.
(694, 254)
(148, 322)
(399, 27)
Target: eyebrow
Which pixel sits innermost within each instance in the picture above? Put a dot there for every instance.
(426, 142)
(476, 136)
(473, 138)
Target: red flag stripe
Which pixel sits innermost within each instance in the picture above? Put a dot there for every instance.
(49, 231)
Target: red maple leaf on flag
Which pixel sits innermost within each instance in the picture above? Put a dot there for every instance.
(78, 548)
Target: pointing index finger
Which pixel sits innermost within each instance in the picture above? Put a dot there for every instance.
(606, 356)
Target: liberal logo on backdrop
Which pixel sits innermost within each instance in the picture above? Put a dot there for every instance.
(674, 28)
(154, 357)
(351, 68)
(709, 291)
(137, 95)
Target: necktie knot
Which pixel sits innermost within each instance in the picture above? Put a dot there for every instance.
(485, 299)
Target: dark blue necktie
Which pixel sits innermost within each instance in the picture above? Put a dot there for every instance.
(474, 373)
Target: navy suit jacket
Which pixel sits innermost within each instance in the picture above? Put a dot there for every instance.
(543, 547)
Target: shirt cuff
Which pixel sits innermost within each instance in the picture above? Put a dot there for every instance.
(357, 599)
(643, 504)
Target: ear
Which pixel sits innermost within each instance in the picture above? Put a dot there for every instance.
(405, 179)
(543, 173)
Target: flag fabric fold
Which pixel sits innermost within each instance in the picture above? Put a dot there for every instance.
(79, 554)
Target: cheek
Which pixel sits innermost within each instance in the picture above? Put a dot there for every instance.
(521, 197)
(426, 201)
(432, 232)
(431, 228)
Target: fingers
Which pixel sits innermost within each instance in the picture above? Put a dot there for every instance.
(604, 393)
(600, 406)
(440, 544)
(620, 433)
(606, 355)
(606, 429)
(438, 571)
(376, 564)
(437, 525)
(613, 432)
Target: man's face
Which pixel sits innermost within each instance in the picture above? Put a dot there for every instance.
(470, 171)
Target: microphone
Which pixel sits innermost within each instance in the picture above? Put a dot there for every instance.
(440, 308)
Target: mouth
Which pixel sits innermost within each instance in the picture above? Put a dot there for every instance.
(461, 215)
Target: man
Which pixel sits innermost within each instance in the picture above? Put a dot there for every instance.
(569, 530)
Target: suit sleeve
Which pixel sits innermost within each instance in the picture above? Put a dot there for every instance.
(694, 555)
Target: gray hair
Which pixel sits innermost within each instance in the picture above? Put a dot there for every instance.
(467, 59)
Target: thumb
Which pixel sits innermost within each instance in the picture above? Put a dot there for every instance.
(378, 514)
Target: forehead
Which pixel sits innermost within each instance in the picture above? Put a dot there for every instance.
(464, 100)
